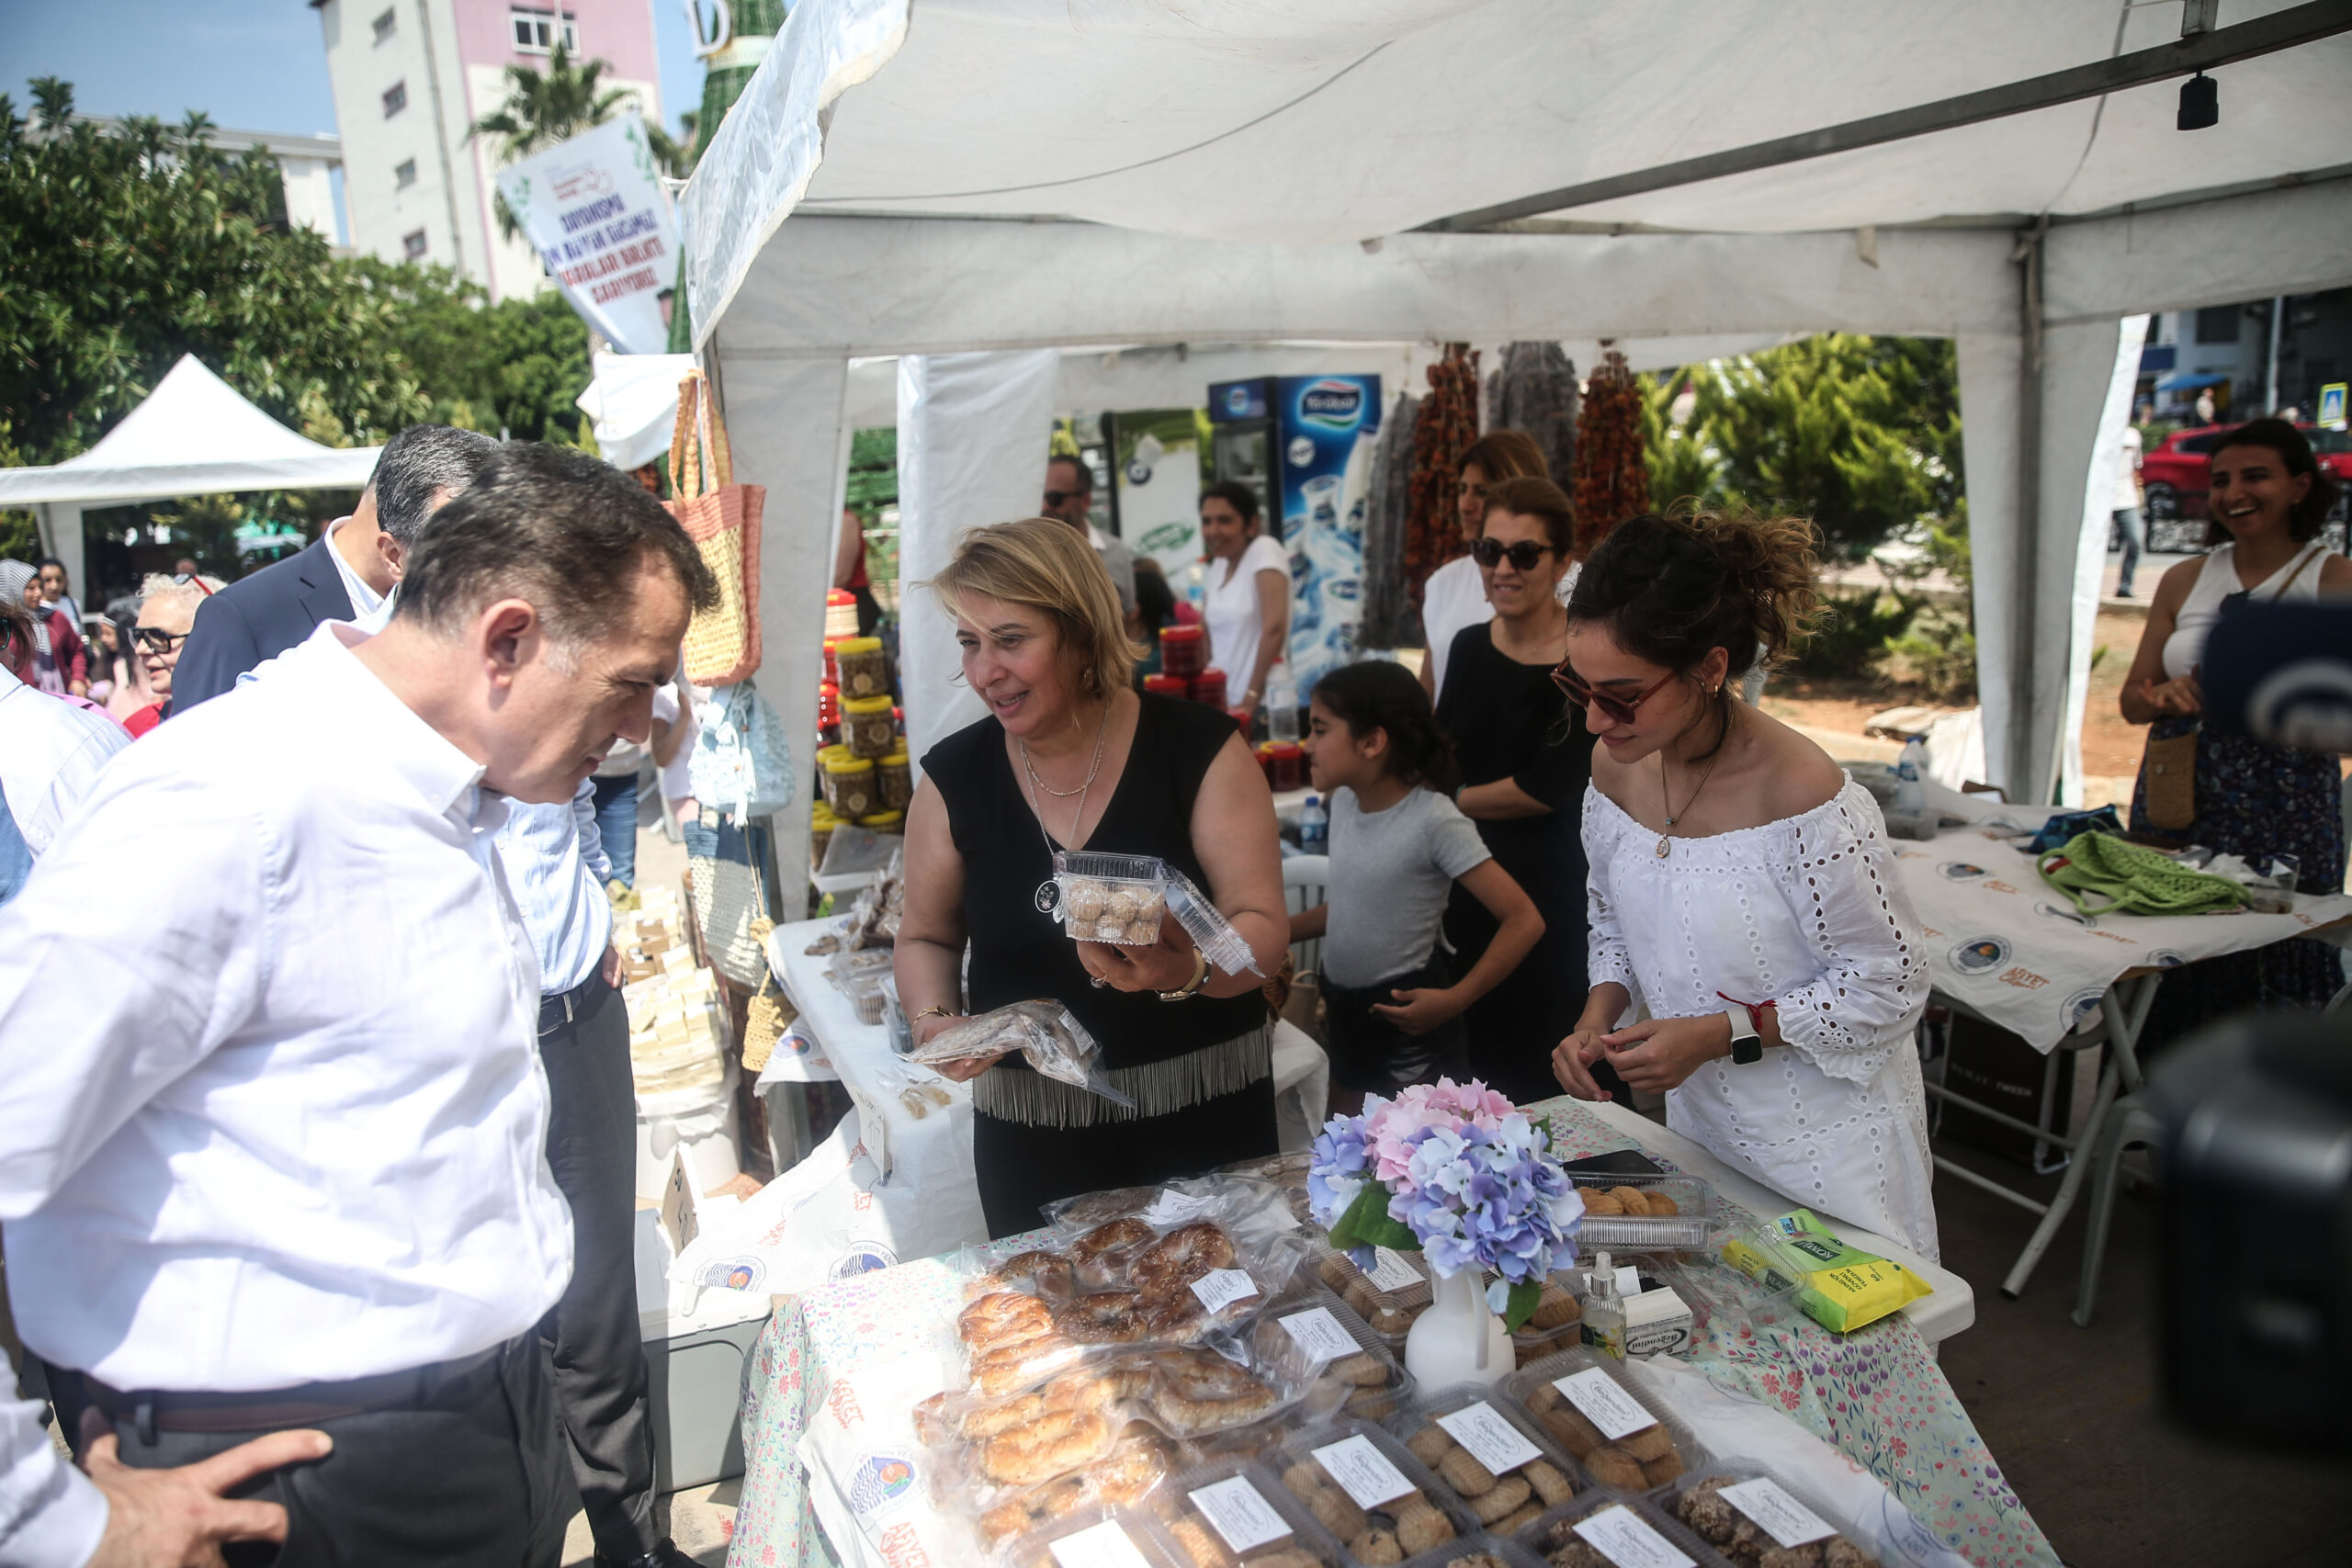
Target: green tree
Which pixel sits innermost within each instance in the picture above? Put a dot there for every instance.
(128, 248)
(547, 109)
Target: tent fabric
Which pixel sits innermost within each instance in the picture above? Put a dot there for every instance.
(194, 434)
(1245, 171)
(634, 402)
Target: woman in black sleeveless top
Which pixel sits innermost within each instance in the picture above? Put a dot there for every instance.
(1070, 751)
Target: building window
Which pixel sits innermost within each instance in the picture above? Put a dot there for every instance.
(412, 244)
(395, 98)
(384, 25)
(406, 174)
(2216, 323)
(536, 31)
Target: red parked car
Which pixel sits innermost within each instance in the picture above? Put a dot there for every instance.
(2173, 474)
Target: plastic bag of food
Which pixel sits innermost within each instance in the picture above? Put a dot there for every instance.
(1055, 1044)
(1840, 1287)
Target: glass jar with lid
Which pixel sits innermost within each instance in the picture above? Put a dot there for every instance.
(864, 670)
(1184, 650)
(895, 775)
(850, 789)
(868, 727)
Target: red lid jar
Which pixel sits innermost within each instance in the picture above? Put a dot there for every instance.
(1166, 685)
(1184, 650)
(1285, 765)
(1241, 718)
(1208, 686)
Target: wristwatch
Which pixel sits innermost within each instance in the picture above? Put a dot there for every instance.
(1747, 1044)
(1191, 988)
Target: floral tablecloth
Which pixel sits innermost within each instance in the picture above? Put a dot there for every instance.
(1876, 1394)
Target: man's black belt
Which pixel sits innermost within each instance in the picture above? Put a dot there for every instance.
(267, 1410)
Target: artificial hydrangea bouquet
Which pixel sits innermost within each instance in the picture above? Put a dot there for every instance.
(1456, 1172)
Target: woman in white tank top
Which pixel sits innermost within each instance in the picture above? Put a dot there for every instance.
(2267, 501)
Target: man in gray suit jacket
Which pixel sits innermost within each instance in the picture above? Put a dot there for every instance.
(343, 577)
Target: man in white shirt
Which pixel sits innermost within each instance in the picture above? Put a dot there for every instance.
(282, 1151)
(1070, 495)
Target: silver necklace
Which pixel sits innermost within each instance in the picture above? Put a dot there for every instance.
(1049, 892)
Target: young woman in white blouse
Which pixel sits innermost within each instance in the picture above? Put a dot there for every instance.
(1742, 888)
(1247, 607)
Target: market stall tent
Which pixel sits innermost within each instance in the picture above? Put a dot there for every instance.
(923, 177)
(194, 434)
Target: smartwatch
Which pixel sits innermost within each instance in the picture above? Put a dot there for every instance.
(1747, 1046)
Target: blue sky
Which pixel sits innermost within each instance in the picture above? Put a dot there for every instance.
(251, 64)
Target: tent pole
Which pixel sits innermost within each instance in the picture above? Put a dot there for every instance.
(2270, 378)
(60, 522)
(2025, 782)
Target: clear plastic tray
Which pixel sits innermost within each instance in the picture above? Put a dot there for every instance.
(1108, 898)
(1208, 928)
(1694, 1225)
(1539, 1537)
(1634, 1464)
(1404, 1519)
(1197, 1525)
(1507, 1498)
(1370, 1383)
(1672, 1503)
(1480, 1552)
(1144, 1542)
(1387, 1310)
(1531, 1343)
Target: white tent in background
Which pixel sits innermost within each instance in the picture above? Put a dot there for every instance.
(634, 402)
(931, 177)
(194, 434)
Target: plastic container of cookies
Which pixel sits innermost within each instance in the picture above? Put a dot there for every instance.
(1620, 1531)
(1089, 1538)
(1235, 1513)
(1483, 1551)
(1380, 1504)
(1612, 1224)
(1617, 1435)
(1108, 898)
(1357, 1375)
(1490, 1454)
(1558, 1324)
(1397, 1291)
(1714, 1504)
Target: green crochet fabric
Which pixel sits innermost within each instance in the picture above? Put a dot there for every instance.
(2102, 874)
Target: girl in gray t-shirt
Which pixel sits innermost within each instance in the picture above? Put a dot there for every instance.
(1392, 1007)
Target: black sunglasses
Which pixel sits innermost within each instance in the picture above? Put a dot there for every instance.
(1056, 497)
(1522, 556)
(157, 641)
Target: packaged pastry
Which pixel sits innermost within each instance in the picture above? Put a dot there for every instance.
(1377, 1501)
(1614, 1533)
(1121, 899)
(1389, 1298)
(1556, 1323)
(1578, 1402)
(1484, 1551)
(1754, 1520)
(1053, 1041)
(1355, 1374)
(1644, 1213)
(1140, 1459)
(1496, 1464)
(1088, 1540)
(1229, 1513)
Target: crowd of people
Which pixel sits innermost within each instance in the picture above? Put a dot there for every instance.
(319, 1187)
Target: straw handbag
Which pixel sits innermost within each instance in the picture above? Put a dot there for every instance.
(730, 896)
(723, 520)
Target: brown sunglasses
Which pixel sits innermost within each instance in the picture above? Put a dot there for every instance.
(1618, 709)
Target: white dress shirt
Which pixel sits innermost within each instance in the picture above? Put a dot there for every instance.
(555, 864)
(364, 600)
(51, 753)
(280, 1117)
(1454, 597)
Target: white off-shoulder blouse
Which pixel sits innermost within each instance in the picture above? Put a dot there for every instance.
(1806, 913)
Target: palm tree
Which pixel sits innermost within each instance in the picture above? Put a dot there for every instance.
(546, 108)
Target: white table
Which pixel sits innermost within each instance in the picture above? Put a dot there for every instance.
(1937, 1317)
(2008, 948)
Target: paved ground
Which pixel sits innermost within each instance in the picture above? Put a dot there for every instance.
(702, 1521)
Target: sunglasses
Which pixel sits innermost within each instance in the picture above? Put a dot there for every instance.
(1617, 709)
(1522, 556)
(1056, 497)
(155, 640)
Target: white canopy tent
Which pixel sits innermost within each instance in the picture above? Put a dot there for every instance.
(194, 434)
(1031, 175)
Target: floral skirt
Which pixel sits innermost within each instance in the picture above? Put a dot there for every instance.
(2255, 800)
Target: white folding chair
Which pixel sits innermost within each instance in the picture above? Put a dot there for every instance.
(1303, 881)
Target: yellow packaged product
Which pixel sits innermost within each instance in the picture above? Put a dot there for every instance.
(1840, 1287)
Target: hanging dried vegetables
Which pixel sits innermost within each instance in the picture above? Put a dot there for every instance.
(1447, 424)
(1612, 468)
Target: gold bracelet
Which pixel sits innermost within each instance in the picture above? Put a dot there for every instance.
(1193, 987)
(944, 1012)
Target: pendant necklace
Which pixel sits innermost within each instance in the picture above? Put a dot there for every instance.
(1664, 839)
(1049, 891)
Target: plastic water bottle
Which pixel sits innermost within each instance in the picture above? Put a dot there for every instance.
(1314, 826)
(1281, 704)
(1910, 799)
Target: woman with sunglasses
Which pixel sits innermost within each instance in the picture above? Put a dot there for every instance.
(1455, 595)
(166, 614)
(1742, 886)
(1524, 760)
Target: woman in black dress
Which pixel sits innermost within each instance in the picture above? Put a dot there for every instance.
(1070, 757)
(1525, 761)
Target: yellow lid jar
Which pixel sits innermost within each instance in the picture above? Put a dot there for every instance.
(864, 670)
(850, 789)
(868, 727)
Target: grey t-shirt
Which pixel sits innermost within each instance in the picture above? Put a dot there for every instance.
(1391, 874)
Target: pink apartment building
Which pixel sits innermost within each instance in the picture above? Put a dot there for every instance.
(411, 76)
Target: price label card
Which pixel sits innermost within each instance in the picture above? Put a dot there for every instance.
(1104, 1546)
(1221, 1288)
(1390, 1271)
(1607, 1406)
(1363, 1472)
(1492, 1441)
(1171, 1208)
(1240, 1515)
(1787, 1520)
(1628, 1542)
(1320, 1334)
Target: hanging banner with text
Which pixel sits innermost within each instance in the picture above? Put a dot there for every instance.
(595, 210)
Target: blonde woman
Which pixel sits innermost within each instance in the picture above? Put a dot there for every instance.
(1069, 757)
